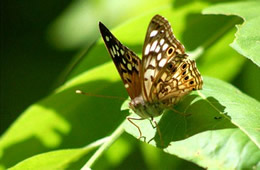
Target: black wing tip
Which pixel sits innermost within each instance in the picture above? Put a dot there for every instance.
(103, 29)
(101, 25)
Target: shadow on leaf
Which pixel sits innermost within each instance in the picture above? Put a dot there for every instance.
(199, 115)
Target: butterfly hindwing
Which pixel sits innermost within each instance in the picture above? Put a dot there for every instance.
(125, 60)
(179, 77)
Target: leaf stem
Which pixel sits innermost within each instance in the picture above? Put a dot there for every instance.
(97, 143)
(109, 141)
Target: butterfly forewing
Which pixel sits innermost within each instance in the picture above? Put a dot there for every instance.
(168, 73)
(126, 61)
(179, 78)
(159, 48)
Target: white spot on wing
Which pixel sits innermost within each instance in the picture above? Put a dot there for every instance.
(107, 38)
(124, 61)
(149, 73)
(165, 46)
(122, 51)
(117, 47)
(162, 62)
(111, 51)
(154, 45)
(152, 62)
(114, 50)
(147, 49)
(157, 49)
(159, 56)
(162, 41)
(126, 85)
(129, 66)
(153, 33)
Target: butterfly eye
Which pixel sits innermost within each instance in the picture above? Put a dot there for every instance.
(170, 51)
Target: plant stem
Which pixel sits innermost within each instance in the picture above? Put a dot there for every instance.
(104, 147)
(97, 143)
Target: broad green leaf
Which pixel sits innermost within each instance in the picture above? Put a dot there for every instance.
(61, 159)
(221, 61)
(219, 149)
(66, 119)
(249, 80)
(248, 34)
(219, 107)
(158, 159)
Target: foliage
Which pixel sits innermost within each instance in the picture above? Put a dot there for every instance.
(221, 131)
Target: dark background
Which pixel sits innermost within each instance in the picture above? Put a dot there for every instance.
(30, 66)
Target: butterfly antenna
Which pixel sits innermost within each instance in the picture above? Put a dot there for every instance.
(102, 96)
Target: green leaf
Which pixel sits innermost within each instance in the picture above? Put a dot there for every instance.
(61, 159)
(248, 35)
(219, 105)
(66, 119)
(220, 149)
(215, 63)
(218, 108)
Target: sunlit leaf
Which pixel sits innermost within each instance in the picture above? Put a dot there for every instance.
(248, 35)
(62, 159)
(218, 109)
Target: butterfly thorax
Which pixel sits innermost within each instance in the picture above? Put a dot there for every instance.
(146, 109)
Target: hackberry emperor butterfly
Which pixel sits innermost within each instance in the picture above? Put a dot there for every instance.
(162, 77)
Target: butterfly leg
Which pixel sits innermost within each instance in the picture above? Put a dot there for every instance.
(158, 130)
(140, 132)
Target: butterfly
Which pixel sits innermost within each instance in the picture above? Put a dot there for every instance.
(163, 76)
